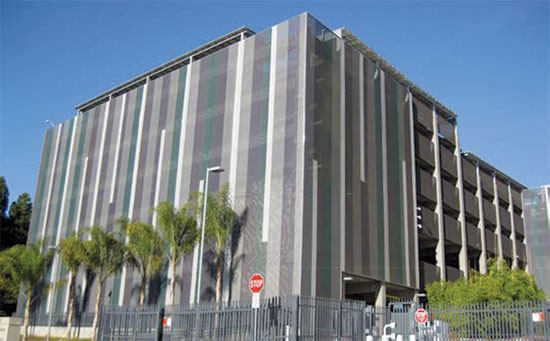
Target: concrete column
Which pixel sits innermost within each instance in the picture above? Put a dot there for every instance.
(513, 227)
(463, 255)
(498, 231)
(380, 306)
(343, 157)
(416, 262)
(481, 223)
(384, 176)
(527, 255)
(440, 248)
(381, 296)
(416, 297)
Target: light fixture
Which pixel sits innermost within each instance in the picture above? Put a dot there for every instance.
(216, 169)
(348, 278)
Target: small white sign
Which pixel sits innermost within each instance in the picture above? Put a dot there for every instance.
(256, 300)
(537, 317)
(166, 321)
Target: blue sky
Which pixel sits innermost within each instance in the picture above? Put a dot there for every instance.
(489, 61)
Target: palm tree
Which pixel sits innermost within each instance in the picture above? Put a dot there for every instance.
(25, 265)
(144, 250)
(179, 232)
(104, 255)
(220, 219)
(73, 255)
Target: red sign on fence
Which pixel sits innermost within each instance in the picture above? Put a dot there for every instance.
(538, 316)
(256, 283)
(421, 316)
(166, 321)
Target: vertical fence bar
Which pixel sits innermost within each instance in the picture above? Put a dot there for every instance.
(546, 311)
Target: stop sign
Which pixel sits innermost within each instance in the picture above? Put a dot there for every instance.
(421, 316)
(256, 283)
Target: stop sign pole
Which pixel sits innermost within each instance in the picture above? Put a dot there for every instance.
(256, 285)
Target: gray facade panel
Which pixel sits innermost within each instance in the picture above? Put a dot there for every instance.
(288, 204)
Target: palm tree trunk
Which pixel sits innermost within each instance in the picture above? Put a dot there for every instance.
(71, 304)
(172, 281)
(142, 288)
(97, 305)
(218, 277)
(27, 315)
(218, 288)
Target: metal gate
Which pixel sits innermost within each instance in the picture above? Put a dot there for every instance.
(486, 321)
(275, 319)
(325, 319)
(130, 323)
(278, 318)
(402, 313)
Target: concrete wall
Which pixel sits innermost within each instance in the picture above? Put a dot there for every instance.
(9, 328)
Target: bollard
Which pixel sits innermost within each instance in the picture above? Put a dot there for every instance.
(399, 337)
(390, 336)
(287, 333)
(370, 338)
(412, 337)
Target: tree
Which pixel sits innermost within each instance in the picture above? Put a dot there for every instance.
(15, 225)
(500, 284)
(220, 219)
(9, 287)
(13, 230)
(104, 255)
(73, 255)
(25, 266)
(144, 250)
(4, 220)
(179, 232)
(20, 219)
(4, 197)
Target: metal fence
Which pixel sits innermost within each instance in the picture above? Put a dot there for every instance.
(130, 323)
(304, 318)
(483, 321)
(275, 318)
(323, 319)
(278, 318)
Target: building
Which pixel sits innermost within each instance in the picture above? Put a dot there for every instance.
(536, 207)
(347, 177)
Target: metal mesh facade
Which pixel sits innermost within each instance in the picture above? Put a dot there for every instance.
(331, 159)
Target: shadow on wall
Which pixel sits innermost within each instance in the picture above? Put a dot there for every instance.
(159, 283)
(156, 284)
(229, 255)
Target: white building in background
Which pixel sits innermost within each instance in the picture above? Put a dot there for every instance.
(536, 213)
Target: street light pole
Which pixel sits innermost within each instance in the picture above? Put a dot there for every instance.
(216, 169)
(56, 266)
